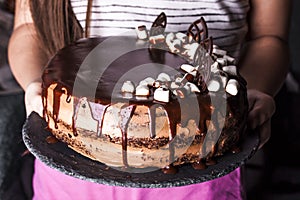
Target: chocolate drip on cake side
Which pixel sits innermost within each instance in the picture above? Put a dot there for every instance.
(57, 92)
(152, 116)
(56, 104)
(44, 100)
(126, 114)
(99, 131)
(62, 70)
(174, 117)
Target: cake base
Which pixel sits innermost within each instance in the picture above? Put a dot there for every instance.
(59, 156)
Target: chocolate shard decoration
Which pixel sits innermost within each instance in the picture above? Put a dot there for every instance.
(198, 30)
(159, 25)
(207, 44)
(194, 32)
(204, 62)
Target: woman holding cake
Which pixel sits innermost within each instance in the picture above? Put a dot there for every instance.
(249, 30)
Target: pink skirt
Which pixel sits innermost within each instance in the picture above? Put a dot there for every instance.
(51, 184)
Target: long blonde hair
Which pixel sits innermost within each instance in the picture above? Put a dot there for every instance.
(55, 23)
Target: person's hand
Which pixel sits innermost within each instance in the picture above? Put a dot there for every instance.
(33, 98)
(261, 109)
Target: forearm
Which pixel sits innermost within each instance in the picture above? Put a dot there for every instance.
(264, 64)
(26, 59)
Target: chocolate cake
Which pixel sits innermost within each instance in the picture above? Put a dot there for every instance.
(155, 99)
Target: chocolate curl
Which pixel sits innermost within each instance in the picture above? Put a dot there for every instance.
(159, 25)
(198, 30)
(207, 44)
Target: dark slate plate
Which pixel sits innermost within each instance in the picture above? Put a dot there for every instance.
(64, 159)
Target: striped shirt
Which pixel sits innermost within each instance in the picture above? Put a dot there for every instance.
(226, 19)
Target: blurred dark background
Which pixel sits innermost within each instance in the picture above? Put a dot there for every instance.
(272, 174)
(15, 168)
